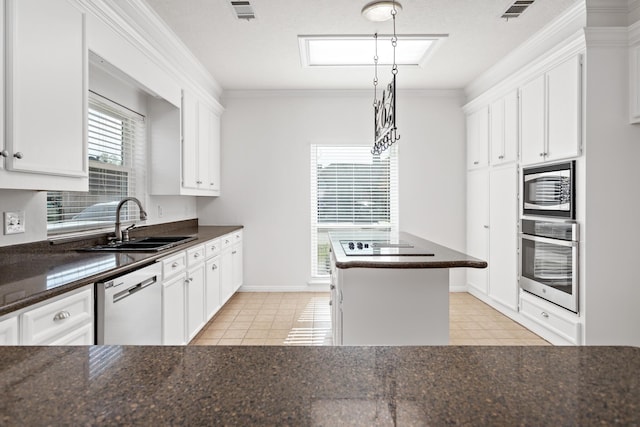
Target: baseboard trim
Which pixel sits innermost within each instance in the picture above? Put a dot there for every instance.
(304, 288)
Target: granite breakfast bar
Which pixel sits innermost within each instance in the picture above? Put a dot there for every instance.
(391, 288)
(319, 386)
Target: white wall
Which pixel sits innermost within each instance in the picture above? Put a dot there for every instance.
(266, 139)
(612, 148)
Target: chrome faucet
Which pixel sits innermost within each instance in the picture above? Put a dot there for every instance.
(143, 215)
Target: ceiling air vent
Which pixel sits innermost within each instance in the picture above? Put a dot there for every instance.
(243, 10)
(517, 8)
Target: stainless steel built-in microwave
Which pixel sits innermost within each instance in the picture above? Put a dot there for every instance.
(549, 190)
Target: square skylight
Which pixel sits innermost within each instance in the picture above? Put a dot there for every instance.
(353, 51)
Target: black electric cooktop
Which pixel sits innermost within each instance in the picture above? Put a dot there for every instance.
(381, 248)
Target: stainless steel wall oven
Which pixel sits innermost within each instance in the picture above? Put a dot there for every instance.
(549, 261)
(549, 190)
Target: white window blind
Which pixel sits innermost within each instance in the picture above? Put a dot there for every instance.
(116, 146)
(350, 188)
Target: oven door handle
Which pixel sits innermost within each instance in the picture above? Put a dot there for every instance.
(566, 243)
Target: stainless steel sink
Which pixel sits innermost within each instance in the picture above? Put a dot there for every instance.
(143, 244)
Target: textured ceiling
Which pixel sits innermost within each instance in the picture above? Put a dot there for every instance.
(263, 53)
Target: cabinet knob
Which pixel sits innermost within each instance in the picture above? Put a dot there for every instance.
(234, 252)
(196, 255)
(541, 154)
(62, 315)
(211, 183)
(213, 267)
(500, 157)
(226, 241)
(486, 226)
(332, 287)
(545, 314)
(213, 247)
(476, 162)
(198, 182)
(330, 302)
(4, 153)
(18, 155)
(175, 264)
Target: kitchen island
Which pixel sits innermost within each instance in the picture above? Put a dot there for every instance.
(303, 386)
(391, 288)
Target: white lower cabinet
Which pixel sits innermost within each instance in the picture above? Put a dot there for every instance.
(478, 226)
(67, 319)
(9, 331)
(212, 287)
(173, 311)
(552, 318)
(196, 283)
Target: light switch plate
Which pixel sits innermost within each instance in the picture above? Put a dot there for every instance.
(14, 222)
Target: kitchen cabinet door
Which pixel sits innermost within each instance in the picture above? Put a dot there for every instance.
(212, 287)
(236, 264)
(478, 226)
(532, 121)
(195, 301)
(564, 110)
(503, 235)
(9, 331)
(46, 93)
(478, 138)
(634, 83)
(173, 311)
(503, 129)
(226, 276)
(190, 129)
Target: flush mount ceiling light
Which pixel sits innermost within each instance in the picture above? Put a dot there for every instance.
(379, 11)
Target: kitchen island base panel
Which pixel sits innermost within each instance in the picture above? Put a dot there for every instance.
(394, 306)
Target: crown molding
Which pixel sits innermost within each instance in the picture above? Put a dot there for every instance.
(606, 36)
(538, 45)
(339, 93)
(143, 28)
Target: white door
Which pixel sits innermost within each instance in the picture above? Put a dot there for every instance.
(511, 120)
(195, 297)
(46, 88)
(497, 131)
(173, 311)
(236, 261)
(532, 121)
(478, 225)
(564, 110)
(503, 236)
(9, 331)
(212, 287)
(189, 140)
(226, 276)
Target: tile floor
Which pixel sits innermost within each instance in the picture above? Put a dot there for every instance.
(303, 318)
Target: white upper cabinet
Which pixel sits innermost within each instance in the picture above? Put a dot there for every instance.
(634, 83)
(45, 96)
(503, 129)
(478, 138)
(551, 111)
(185, 147)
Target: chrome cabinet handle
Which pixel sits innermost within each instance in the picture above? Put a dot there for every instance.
(4, 153)
(545, 314)
(213, 267)
(18, 155)
(62, 315)
(226, 241)
(332, 287)
(196, 255)
(175, 264)
(213, 248)
(486, 226)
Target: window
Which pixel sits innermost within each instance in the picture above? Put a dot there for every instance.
(350, 188)
(116, 138)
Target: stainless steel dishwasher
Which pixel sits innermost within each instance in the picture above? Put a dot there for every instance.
(129, 308)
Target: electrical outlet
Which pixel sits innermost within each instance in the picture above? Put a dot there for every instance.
(14, 222)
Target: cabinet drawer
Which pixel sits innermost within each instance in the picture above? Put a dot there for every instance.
(174, 264)
(236, 236)
(44, 324)
(212, 248)
(551, 318)
(195, 255)
(231, 238)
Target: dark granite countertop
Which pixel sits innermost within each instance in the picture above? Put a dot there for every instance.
(443, 257)
(301, 386)
(32, 273)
